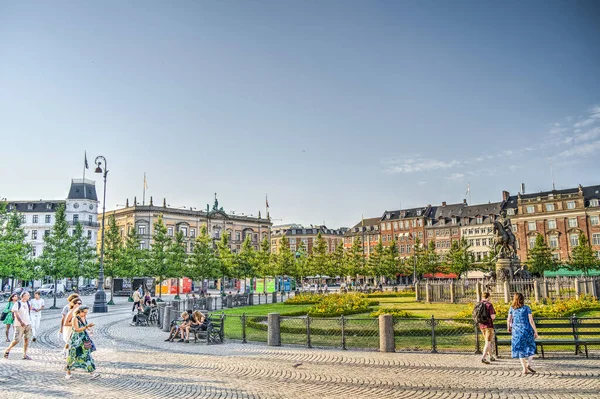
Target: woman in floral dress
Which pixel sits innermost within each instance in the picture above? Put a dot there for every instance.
(80, 356)
(520, 323)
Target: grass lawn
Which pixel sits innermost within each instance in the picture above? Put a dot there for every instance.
(422, 309)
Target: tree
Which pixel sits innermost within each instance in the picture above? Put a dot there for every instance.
(114, 262)
(355, 259)
(245, 261)
(177, 255)
(336, 261)
(428, 261)
(58, 258)
(15, 254)
(375, 261)
(135, 259)
(285, 262)
(263, 259)
(583, 257)
(390, 263)
(225, 257)
(303, 266)
(539, 258)
(159, 253)
(85, 255)
(318, 257)
(203, 262)
(459, 259)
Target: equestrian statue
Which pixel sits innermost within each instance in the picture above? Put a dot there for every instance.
(504, 242)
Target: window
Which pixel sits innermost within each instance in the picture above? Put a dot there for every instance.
(292, 241)
(477, 242)
(23, 219)
(420, 223)
(389, 225)
(142, 244)
(46, 233)
(453, 220)
(531, 242)
(442, 222)
(48, 218)
(531, 226)
(73, 232)
(237, 235)
(89, 234)
(429, 234)
(35, 219)
(454, 232)
(556, 256)
(594, 202)
(598, 254)
(572, 222)
(34, 234)
(571, 205)
(553, 241)
(395, 225)
(479, 220)
(170, 231)
(549, 207)
(552, 224)
(594, 220)
(384, 238)
(596, 239)
(514, 228)
(33, 251)
(389, 237)
(75, 219)
(141, 230)
(530, 209)
(90, 219)
(510, 211)
(48, 206)
(255, 237)
(574, 240)
(418, 212)
(192, 233)
(30, 207)
(191, 247)
(414, 223)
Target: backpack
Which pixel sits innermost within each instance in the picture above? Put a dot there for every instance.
(28, 304)
(5, 312)
(480, 313)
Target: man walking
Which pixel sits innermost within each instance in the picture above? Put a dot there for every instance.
(137, 297)
(37, 305)
(485, 316)
(21, 312)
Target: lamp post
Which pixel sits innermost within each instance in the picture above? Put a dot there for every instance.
(100, 298)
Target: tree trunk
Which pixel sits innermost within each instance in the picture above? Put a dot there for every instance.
(55, 286)
(160, 287)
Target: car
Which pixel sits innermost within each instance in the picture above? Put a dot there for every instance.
(48, 290)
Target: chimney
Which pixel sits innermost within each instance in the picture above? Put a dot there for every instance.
(164, 202)
(522, 188)
(127, 203)
(444, 203)
(135, 201)
(505, 195)
(465, 201)
(151, 201)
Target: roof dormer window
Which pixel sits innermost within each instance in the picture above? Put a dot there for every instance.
(453, 220)
(48, 206)
(594, 202)
(30, 207)
(418, 212)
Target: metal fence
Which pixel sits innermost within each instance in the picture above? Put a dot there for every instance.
(463, 291)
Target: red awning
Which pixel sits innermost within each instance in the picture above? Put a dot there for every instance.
(440, 275)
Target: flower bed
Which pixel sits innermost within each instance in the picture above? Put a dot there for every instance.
(341, 304)
(396, 312)
(304, 299)
(392, 294)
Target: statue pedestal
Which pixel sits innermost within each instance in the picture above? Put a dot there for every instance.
(504, 272)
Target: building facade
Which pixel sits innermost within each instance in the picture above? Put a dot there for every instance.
(81, 206)
(443, 226)
(559, 216)
(405, 226)
(299, 235)
(188, 222)
(367, 232)
(476, 226)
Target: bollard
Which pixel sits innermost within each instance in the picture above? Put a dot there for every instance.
(209, 304)
(274, 330)
(577, 292)
(417, 292)
(506, 293)
(536, 291)
(427, 294)
(452, 291)
(230, 301)
(166, 324)
(386, 333)
(478, 291)
(161, 314)
(557, 287)
(274, 299)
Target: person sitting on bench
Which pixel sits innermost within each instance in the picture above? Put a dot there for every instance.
(179, 326)
(145, 313)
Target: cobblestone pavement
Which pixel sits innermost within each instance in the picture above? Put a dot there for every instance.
(135, 362)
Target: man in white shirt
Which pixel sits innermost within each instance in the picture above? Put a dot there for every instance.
(22, 323)
(37, 305)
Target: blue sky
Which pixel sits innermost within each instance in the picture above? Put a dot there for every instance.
(335, 109)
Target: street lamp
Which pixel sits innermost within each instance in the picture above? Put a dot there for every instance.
(100, 298)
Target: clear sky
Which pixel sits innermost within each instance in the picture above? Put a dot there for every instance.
(333, 108)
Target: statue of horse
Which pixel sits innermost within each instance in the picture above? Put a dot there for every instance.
(504, 243)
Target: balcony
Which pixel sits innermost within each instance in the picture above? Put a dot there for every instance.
(84, 223)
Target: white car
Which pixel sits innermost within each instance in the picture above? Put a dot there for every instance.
(48, 290)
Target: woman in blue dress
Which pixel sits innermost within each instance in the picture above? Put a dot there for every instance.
(520, 323)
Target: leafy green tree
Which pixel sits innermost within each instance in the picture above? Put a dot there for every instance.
(177, 255)
(336, 261)
(583, 257)
(114, 261)
(245, 260)
(285, 259)
(58, 258)
(488, 263)
(318, 257)
(355, 259)
(390, 263)
(459, 259)
(263, 259)
(375, 261)
(203, 262)
(135, 259)
(15, 254)
(226, 259)
(539, 258)
(85, 255)
(159, 253)
(428, 261)
(303, 264)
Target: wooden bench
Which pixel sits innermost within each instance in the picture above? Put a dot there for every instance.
(213, 333)
(571, 331)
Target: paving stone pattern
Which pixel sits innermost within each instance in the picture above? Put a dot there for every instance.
(135, 362)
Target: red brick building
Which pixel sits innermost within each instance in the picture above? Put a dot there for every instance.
(367, 231)
(297, 234)
(404, 226)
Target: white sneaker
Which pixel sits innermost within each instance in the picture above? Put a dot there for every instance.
(94, 376)
(68, 377)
